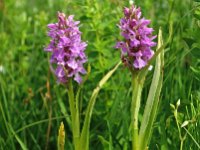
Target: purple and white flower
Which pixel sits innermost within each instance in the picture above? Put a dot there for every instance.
(67, 49)
(138, 40)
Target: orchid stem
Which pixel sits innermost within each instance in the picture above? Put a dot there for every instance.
(135, 106)
(74, 117)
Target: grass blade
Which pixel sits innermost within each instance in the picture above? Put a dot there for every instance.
(23, 146)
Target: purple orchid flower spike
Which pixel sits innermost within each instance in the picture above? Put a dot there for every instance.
(67, 49)
(136, 48)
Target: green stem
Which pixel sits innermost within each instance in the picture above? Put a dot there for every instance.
(181, 147)
(135, 106)
(74, 117)
(179, 130)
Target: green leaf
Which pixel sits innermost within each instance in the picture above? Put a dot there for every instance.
(84, 140)
(153, 97)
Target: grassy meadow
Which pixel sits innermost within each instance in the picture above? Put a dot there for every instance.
(32, 104)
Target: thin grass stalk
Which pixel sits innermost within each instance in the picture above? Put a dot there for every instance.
(49, 99)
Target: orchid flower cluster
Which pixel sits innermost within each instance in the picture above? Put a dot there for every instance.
(67, 60)
(67, 49)
(136, 48)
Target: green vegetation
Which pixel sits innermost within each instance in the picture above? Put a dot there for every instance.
(32, 104)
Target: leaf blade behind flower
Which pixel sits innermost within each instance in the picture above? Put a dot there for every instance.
(153, 97)
(84, 140)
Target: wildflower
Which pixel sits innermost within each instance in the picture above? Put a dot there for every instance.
(136, 48)
(67, 49)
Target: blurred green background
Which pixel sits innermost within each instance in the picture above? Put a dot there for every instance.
(32, 104)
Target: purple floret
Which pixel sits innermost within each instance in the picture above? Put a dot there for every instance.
(67, 49)
(138, 40)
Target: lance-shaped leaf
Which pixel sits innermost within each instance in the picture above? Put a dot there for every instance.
(153, 97)
(85, 131)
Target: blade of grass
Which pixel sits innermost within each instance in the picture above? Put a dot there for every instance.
(33, 124)
(5, 114)
(23, 146)
(197, 144)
